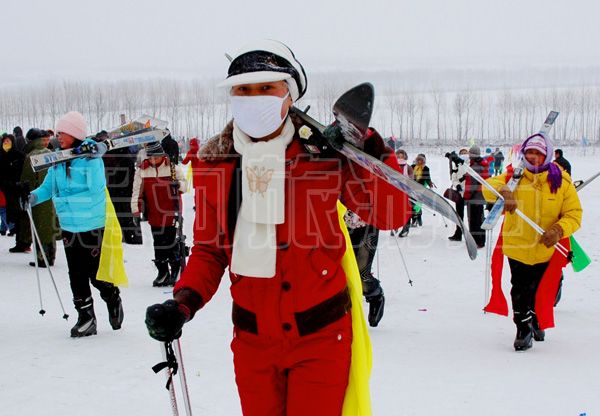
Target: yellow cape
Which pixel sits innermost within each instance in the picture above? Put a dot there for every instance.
(112, 267)
(357, 401)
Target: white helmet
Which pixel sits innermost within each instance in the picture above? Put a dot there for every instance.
(265, 61)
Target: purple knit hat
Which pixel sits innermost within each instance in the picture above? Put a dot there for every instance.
(537, 142)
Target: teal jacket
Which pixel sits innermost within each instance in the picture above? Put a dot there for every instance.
(80, 199)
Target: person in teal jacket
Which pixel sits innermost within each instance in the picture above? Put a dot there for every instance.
(78, 190)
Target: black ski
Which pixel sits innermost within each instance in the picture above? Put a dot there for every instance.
(352, 112)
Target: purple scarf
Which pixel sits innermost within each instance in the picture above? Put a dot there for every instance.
(554, 172)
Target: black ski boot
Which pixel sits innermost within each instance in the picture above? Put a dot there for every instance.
(114, 305)
(175, 265)
(405, 230)
(457, 236)
(20, 248)
(538, 333)
(376, 305)
(373, 294)
(524, 338)
(86, 321)
(163, 276)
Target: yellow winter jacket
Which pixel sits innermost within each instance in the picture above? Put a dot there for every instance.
(533, 196)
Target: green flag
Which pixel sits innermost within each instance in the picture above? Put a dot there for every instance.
(580, 258)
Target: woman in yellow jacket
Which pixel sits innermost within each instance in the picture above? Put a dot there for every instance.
(546, 195)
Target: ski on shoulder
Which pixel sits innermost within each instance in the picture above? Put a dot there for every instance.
(43, 161)
(352, 112)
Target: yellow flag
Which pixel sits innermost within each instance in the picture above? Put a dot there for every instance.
(112, 268)
(357, 401)
(189, 177)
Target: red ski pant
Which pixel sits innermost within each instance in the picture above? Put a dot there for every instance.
(304, 376)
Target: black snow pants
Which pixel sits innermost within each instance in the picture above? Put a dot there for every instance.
(83, 259)
(525, 280)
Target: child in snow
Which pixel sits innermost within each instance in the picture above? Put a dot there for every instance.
(158, 193)
(547, 196)
(268, 210)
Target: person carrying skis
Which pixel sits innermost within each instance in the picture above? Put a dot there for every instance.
(547, 196)
(78, 190)
(267, 208)
(157, 187)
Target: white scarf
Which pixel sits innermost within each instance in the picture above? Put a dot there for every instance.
(263, 202)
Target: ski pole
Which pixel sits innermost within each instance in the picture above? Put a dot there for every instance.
(170, 364)
(182, 379)
(488, 265)
(35, 261)
(561, 249)
(410, 282)
(39, 241)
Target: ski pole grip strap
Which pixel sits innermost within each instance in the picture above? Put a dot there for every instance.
(170, 362)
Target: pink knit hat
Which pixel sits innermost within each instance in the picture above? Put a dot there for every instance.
(73, 124)
(538, 143)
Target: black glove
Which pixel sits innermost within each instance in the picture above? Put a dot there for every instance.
(456, 159)
(333, 135)
(458, 188)
(23, 192)
(165, 320)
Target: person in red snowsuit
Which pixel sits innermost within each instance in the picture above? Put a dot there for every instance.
(157, 188)
(266, 208)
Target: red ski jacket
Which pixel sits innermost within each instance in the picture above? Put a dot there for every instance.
(153, 192)
(309, 289)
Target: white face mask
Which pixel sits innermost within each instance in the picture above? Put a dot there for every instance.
(258, 115)
(465, 157)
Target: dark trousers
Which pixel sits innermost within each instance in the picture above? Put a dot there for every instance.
(132, 232)
(83, 259)
(525, 280)
(165, 244)
(475, 215)
(364, 241)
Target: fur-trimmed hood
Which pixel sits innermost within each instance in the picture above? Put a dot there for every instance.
(220, 147)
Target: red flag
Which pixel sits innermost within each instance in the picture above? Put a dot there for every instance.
(497, 303)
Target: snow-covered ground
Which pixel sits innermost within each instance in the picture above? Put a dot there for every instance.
(435, 352)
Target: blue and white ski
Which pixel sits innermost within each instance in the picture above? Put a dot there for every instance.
(45, 160)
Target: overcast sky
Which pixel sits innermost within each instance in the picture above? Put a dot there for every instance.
(107, 39)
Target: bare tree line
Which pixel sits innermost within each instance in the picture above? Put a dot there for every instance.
(435, 116)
